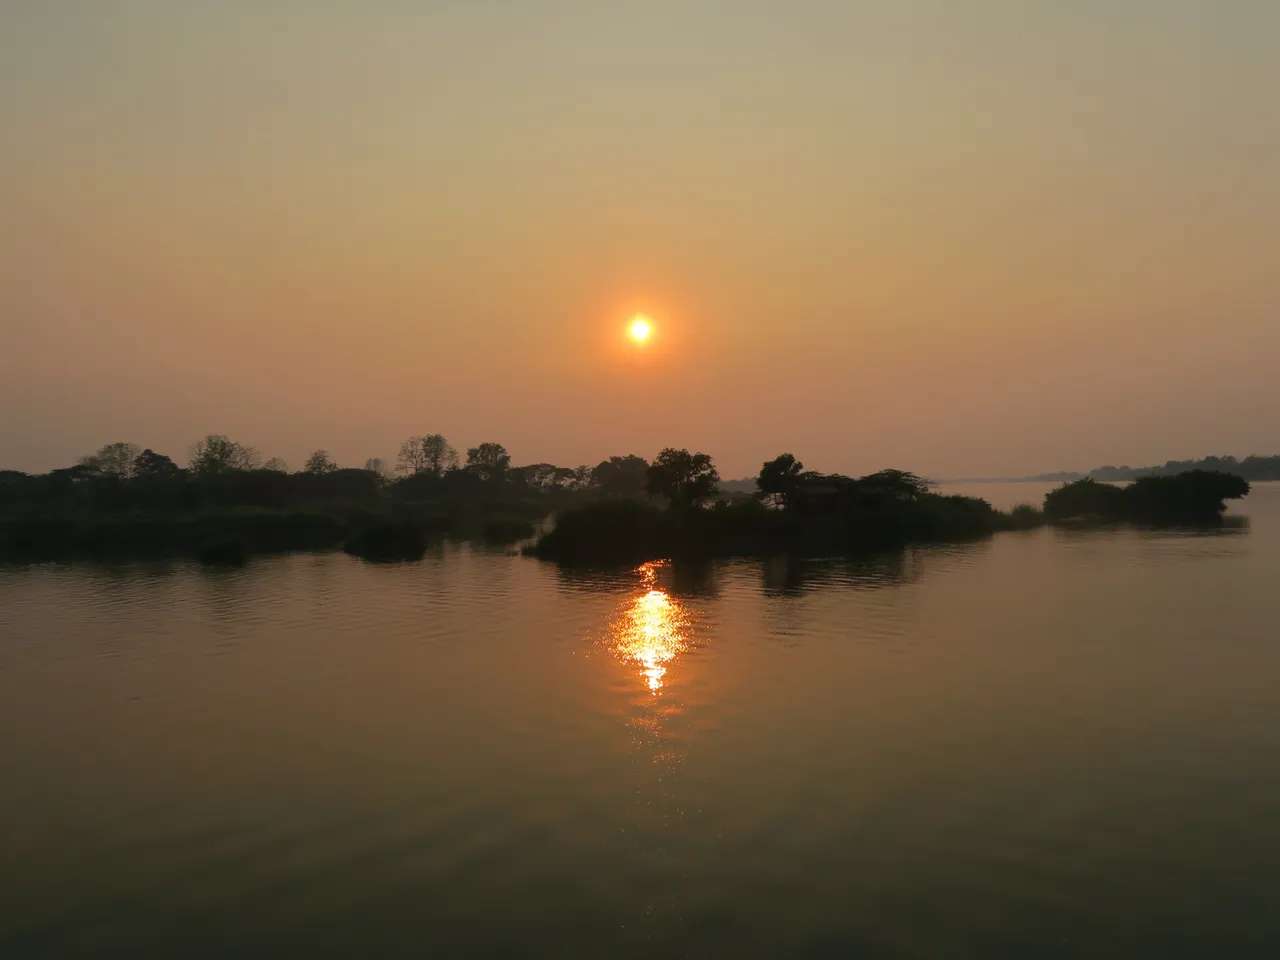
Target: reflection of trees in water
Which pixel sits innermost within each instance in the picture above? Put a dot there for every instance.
(680, 578)
(784, 576)
(1153, 546)
(690, 578)
(595, 580)
(1232, 525)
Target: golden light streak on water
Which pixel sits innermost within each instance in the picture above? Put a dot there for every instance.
(653, 630)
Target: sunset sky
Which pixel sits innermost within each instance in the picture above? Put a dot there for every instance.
(960, 238)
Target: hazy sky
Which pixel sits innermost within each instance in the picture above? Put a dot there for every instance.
(962, 238)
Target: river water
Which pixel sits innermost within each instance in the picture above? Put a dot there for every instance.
(1048, 744)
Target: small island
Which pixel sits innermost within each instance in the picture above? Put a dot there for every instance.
(810, 513)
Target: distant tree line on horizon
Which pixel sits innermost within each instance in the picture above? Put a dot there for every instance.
(1252, 468)
(221, 473)
(227, 502)
(423, 462)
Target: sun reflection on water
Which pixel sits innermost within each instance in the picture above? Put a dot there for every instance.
(653, 631)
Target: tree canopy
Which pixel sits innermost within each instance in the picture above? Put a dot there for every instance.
(685, 479)
(218, 453)
(780, 479)
(320, 462)
(488, 462)
(114, 460)
(430, 454)
(154, 466)
(622, 476)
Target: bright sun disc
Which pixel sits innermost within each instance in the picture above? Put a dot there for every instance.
(640, 329)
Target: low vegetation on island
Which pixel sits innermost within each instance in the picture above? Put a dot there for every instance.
(800, 511)
(1193, 497)
(226, 505)
(794, 510)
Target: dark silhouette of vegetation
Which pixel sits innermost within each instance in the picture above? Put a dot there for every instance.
(320, 463)
(224, 552)
(781, 479)
(1252, 468)
(796, 511)
(153, 466)
(622, 476)
(545, 477)
(125, 501)
(507, 531)
(217, 453)
(114, 460)
(388, 541)
(608, 531)
(1022, 517)
(488, 462)
(803, 512)
(685, 479)
(431, 455)
(1193, 497)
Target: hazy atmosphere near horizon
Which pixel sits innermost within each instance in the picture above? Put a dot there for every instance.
(961, 239)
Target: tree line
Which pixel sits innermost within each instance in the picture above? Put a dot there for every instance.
(226, 502)
(426, 466)
(1251, 468)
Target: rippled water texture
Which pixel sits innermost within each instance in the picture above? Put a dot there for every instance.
(1050, 744)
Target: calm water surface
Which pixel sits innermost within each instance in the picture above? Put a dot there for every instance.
(1051, 744)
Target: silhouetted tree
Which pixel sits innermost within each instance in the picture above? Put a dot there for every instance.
(430, 454)
(150, 465)
(684, 478)
(412, 459)
(438, 455)
(894, 485)
(113, 460)
(622, 476)
(1193, 496)
(780, 479)
(376, 465)
(543, 477)
(217, 453)
(320, 462)
(277, 464)
(488, 462)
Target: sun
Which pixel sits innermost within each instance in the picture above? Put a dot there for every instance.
(640, 328)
